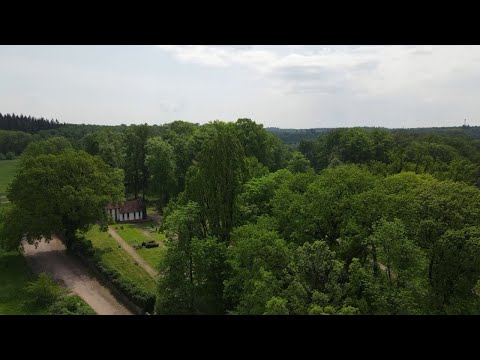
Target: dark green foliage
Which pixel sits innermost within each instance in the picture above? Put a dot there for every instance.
(214, 181)
(14, 141)
(350, 221)
(136, 171)
(26, 123)
(58, 193)
(385, 152)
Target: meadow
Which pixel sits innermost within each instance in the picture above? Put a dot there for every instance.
(135, 234)
(8, 168)
(14, 276)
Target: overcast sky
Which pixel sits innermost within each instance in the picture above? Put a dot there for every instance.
(283, 86)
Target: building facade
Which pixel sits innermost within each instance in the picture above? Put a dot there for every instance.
(128, 211)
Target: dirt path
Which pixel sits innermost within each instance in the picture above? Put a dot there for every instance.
(140, 261)
(52, 258)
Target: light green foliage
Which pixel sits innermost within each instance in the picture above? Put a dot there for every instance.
(276, 306)
(257, 260)
(53, 146)
(44, 291)
(254, 169)
(328, 199)
(256, 197)
(299, 164)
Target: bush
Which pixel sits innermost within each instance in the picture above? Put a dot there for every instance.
(2, 156)
(83, 246)
(10, 155)
(44, 291)
(70, 305)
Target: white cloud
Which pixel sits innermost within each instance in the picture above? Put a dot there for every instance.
(372, 70)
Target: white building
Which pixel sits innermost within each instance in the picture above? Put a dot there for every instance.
(127, 211)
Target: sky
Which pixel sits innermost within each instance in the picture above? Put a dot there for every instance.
(285, 86)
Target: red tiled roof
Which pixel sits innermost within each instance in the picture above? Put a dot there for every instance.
(128, 206)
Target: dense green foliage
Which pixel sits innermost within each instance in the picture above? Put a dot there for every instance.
(57, 192)
(331, 221)
(454, 156)
(358, 222)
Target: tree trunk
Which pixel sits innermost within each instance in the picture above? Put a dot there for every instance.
(375, 261)
(69, 238)
(191, 278)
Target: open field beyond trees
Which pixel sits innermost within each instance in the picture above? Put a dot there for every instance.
(8, 168)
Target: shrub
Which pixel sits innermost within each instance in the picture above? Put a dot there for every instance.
(10, 155)
(44, 291)
(83, 246)
(2, 156)
(70, 305)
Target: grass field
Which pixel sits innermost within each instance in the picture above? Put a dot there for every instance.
(117, 259)
(8, 168)
(135, 234)
(14, 276)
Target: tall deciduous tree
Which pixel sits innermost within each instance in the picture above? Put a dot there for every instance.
(215, 180)
(136, 172)
(160, 163)
(59, 194)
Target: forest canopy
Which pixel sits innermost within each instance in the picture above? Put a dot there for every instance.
(344, 221)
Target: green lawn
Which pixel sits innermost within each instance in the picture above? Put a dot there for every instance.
(117, 259)
(14, 276)
(135, 234)
(8, 168)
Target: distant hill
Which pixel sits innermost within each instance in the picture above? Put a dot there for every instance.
(295, 136)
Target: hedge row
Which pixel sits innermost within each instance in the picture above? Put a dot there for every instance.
(136, 294)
